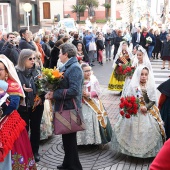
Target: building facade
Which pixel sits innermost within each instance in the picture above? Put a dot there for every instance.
(98, 14)
(49, 9)
(13, 17)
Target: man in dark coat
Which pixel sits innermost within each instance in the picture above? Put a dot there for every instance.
(136, 37)
(25, 42)
(10, 48)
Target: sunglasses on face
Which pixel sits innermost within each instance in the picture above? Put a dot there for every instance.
(31, 58)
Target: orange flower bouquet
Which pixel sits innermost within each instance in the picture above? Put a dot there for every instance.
(48, 80)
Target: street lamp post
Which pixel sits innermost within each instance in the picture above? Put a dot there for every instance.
(27, 8)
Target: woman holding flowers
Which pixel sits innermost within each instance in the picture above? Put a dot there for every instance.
(122, 60)
(82, 55)
(143, 41)
(33, 110)
(98, 129)
(139, 131)
(72, 82)
(141, 58)
(151, 44)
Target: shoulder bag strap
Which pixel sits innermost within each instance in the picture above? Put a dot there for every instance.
(62, 102)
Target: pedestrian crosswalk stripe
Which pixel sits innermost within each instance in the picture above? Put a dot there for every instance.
(160, 75)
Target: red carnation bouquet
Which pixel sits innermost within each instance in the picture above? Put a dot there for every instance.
(129, 106)
(121, 72)
(129, 70)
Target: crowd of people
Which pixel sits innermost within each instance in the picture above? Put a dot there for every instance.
(22, 111)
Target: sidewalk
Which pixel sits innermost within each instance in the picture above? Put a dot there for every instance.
(93, 157)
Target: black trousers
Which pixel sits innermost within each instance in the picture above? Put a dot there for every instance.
(71, 159)
(33, 121)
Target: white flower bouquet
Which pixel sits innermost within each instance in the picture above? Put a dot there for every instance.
(148, 40)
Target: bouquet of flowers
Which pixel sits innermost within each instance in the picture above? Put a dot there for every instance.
(148, 40)
(48, 80)
(129, 70)
(129, 106)
(122, 71)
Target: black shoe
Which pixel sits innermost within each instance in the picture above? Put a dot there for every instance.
(61, 167)
(92, 65)
(101, 63)
(36, 157)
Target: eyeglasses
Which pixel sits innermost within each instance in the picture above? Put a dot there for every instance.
(1, 69)
(31, 58)
(86, 71)
(11, 37)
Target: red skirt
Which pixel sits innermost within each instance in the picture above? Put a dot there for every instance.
(22, 156)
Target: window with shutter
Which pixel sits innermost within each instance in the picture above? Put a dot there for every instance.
(46, 10)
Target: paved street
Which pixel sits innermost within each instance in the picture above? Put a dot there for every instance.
(100, 157)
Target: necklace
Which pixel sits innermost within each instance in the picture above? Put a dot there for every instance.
(142, 84)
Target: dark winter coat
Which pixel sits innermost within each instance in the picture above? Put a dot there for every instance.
(100, 45)
(158, 44)
(11, 51)
(117, 43)
(2, 42)
(163, 36)
(165, 52)
(54, 57)
(153, 40)
(143, 41)
(27, 77)
(72, 81)
(51, 43)
(108, 39)
(75, 42)
(23, 44)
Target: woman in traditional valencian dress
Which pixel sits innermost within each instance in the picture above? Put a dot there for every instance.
(141, 135)
(15, 147)
(98, 128)
(117, 79)
(141, 58)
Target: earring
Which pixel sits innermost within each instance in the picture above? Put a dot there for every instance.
(6, 77)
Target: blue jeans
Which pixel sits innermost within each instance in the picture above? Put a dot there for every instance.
(150, 49)
(108, 49)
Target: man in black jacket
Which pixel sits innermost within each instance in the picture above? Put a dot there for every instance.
(136, 37)
(10, 48)
(25, 42)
